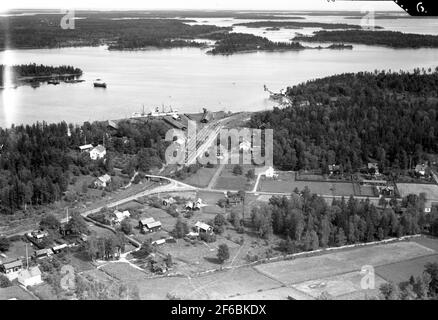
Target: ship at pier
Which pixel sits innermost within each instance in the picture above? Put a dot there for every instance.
(157, 113)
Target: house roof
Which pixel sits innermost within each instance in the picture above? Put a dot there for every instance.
(105, 178)
(86, 146)
(374, 181)
(153, 224)
(30, 273)
(100, 149)
(64, 220)
(12, 264)
(147, 220)
(159, 241)
(373, 165)
(39, 234)
(112, 124)
(207, 116)
(60, 247)
(121, 215)
(42, 251)
(202, 225)
(263, 170)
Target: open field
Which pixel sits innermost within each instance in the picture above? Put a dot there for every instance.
(281, 293)
(17, 249)
(210, 197)
(431, 190)
(157, 288)
(229, 181)
(429, 242)
(286, 183)
(401, 271)
(15, 292)
(221, 285)
(366, 191)
(198, 256)
(337, 273)
(339, 285)
(201, 178)
(326, 265)
(232, 183)
(131, 205)
(233, 283)
(98, 231)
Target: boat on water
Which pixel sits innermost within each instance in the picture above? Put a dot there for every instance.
(74, 81)
(99, 84)
(54, 82)
(174, 113)
(35, 84)
(275, 96)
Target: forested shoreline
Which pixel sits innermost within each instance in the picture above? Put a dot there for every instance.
(391, 39)
(230, 43)
(39, 161)
(297, 25)
(137, 31)
(44, 31)
(351, 119)
(308, 223)
(33, 71)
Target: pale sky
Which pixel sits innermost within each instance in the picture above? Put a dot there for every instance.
(202, 4)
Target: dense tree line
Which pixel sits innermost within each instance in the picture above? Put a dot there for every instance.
(423, 287)
(34, 70)
(139, 42)
(297, 25)
(350, 119)
(37, 162)
(392, 39)
(44, 31)
(307, 222)
(229, 43)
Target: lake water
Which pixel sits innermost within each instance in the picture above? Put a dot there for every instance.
(188, 78)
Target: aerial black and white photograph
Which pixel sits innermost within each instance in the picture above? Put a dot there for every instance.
(228, 150)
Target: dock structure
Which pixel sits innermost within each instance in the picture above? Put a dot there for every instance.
(174, 123)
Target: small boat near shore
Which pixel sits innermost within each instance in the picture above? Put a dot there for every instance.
(98, 83)
(157, 113)
(54, 82)
(74, 81)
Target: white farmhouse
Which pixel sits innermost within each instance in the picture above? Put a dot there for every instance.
(30, 277)
(98, 152)
(102, 181)
(120, 216)
(86, 148)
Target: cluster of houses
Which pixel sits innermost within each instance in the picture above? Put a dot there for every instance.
(422, 170)
(96, 153)
(37, 237)
(194, 205)
(14, 269)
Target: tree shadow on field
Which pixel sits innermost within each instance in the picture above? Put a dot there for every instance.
(214, 260)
